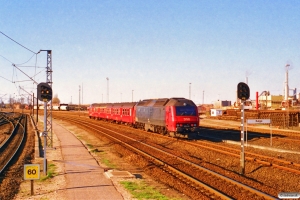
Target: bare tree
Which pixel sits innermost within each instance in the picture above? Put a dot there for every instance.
(55, 100)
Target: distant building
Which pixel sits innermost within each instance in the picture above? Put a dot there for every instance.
(270, 102)
(222, 104)
(205, 108)
(216, 112)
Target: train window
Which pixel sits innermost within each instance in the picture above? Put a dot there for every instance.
(185, 111)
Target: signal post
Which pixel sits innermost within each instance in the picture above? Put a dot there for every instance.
(44, 93)
(243, 93)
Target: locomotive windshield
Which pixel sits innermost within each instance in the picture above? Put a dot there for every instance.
(185, 111)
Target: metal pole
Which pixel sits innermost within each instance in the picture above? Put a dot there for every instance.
(246, 134)
(271, 131)
(37, 110)
(45, 138)
(33, 104)
(242, 160)
(107, 89)
(79, 97)
(32, 190)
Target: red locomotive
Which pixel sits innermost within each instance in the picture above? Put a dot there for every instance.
(176, 117)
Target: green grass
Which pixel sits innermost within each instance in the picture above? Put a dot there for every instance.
(108, 163)
(142, 191)
(50, 172)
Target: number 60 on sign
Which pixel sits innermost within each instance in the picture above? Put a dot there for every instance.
(31, 171)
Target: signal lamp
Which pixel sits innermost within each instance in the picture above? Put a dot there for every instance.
(44, 92)
(243, 91)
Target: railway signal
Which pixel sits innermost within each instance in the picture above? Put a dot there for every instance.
(44, 92)
(243, 91)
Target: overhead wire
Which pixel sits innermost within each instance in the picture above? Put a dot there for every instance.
(6, 79)
(6, 59)
(27, 60)
(16, 66)
(17, 42)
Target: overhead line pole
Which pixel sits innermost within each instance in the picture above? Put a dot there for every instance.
(48, 115)
(32, 98)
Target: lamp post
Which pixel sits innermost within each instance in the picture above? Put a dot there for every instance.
(79, 98)
(107, 89)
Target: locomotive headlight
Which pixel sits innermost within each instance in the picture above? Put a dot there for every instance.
(177, 125)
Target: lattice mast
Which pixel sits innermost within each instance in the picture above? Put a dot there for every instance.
(49, 113)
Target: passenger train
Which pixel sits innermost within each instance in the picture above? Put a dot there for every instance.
(177, 117)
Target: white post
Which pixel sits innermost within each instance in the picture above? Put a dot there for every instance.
(242, 159)
(247, 133)
(271, 131)
(45, 137)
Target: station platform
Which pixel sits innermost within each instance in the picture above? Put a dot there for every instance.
(76, 174)
(84, 178)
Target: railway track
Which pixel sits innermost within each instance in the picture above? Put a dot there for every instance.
(235, 125)
(14, 140)
(212, 185)
(288, 166)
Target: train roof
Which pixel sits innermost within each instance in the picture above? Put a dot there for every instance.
(153, 102)
(109, 105)
(99, 105)
(180, 102)
(174, 101)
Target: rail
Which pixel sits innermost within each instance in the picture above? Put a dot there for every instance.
(161, 158)
(11, 146)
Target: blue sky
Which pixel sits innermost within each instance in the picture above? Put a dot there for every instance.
(155, 48)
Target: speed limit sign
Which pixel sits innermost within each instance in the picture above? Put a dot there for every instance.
(31, 171)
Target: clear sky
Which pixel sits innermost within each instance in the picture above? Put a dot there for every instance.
(156, 48)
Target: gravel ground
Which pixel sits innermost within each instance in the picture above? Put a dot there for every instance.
(107, 156)
(9, 185)
(265, 178)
